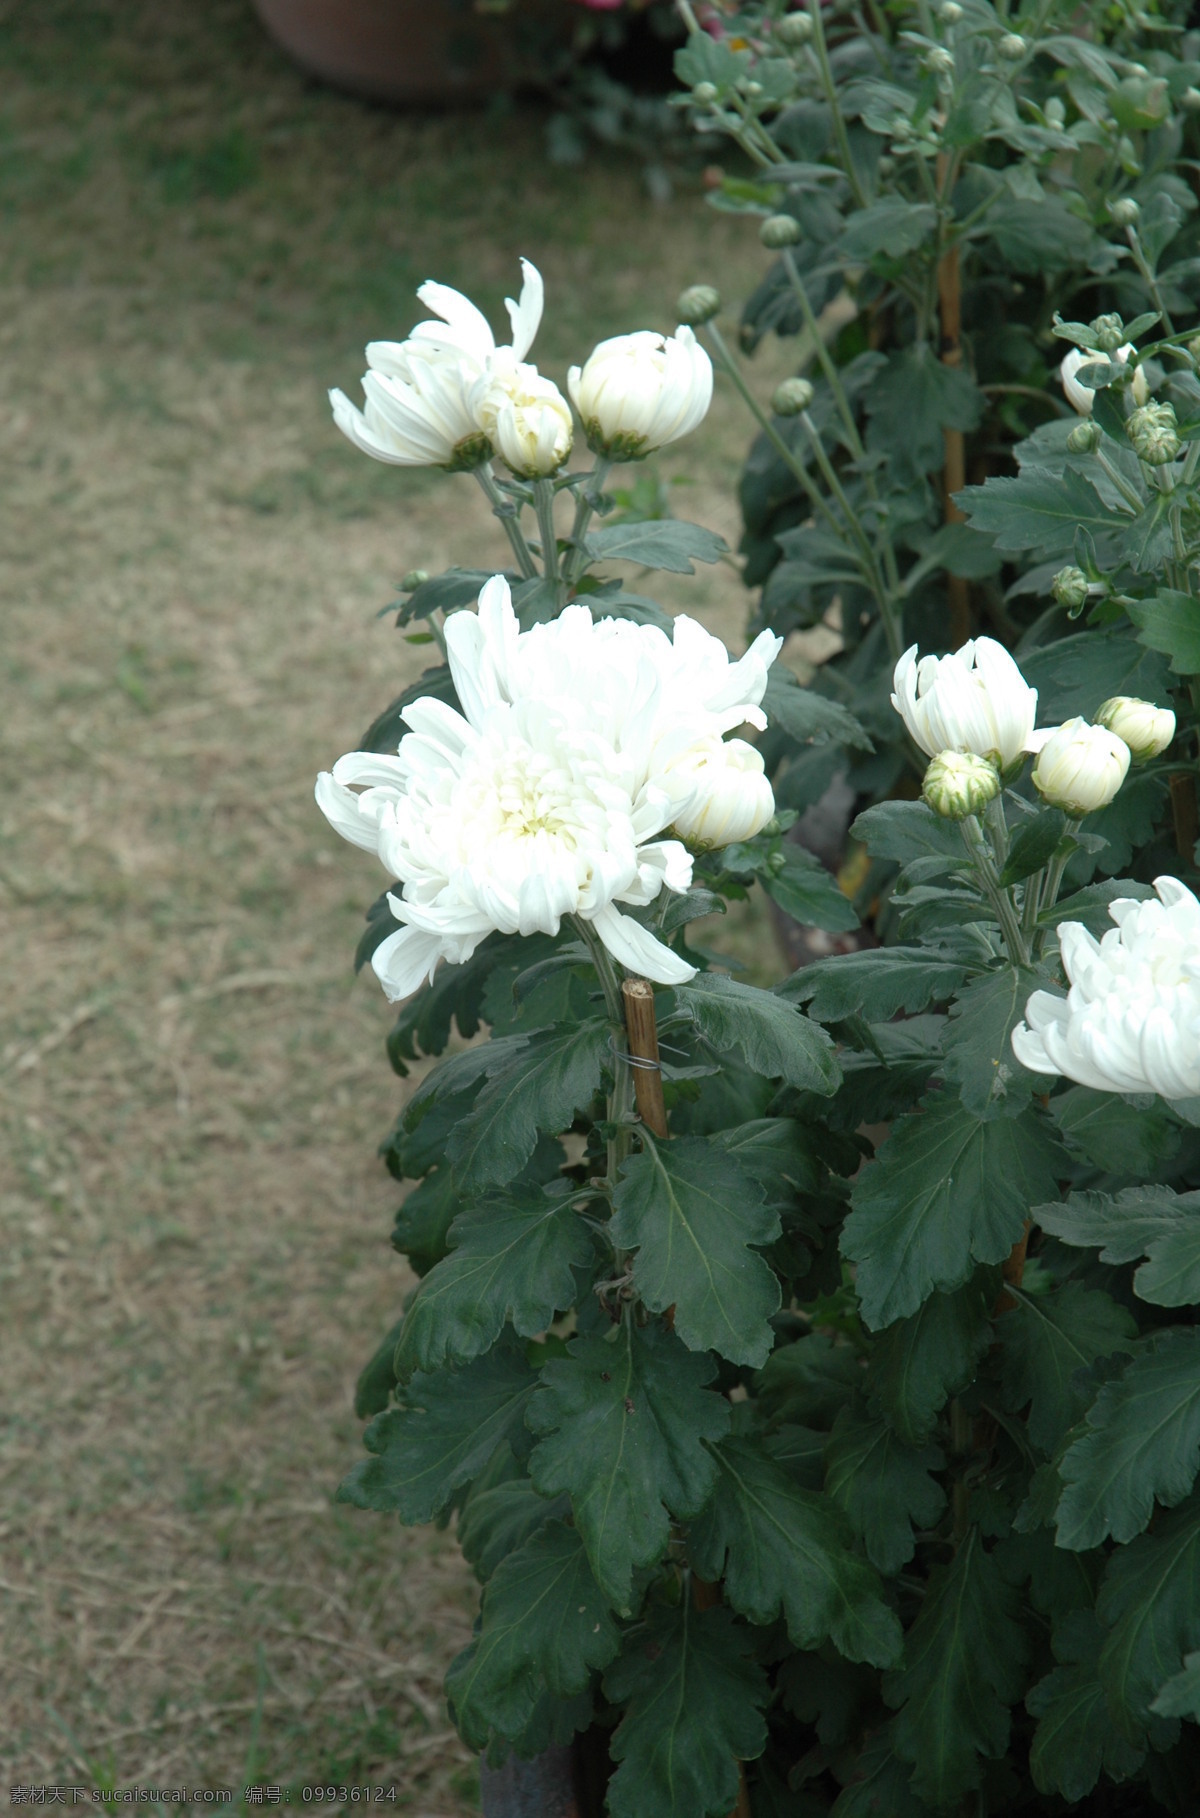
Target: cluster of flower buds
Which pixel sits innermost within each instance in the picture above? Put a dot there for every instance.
(973, 713)
(449, 397)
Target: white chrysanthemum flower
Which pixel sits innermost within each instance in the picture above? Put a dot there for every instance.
(1081, 396)
(1131, 1020)
(579, 743)
(525, 417)
(1079, 768)
(1145, 728)
(636, 393)
(421, 393)
(975, 700)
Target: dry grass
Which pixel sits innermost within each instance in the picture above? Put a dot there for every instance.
(193, 1224)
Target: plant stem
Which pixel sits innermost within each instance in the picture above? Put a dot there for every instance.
(985, 870)
(1143, 265)
(543, 504)
(1120, 482)
(1052, 876)
(510, 519)
(587, 500)
(821, 52)
(620, 1099)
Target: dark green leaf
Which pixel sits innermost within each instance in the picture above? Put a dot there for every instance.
(777, 1546)
(377, 1379)
(919, 1362)
(883, 1485)
(422, 1228)
(776, 1151)
(1090, 905)
(771, 1035)
(804, 714)
(910, 404)
(385, 732)
(445, 593)
(689, 1211)
(502, 1510)
(1171, 623)
(892, 226)
(963, 1670)
(1047, 1338)
(693, 1699)
(946, 1191)
(810, 1380)
(1039, 234)
(1180, 1696)
(878, 983)
(1039, 512)
(1150, 1603)
(1075, 1740)
(539, 1087)
(621, 1426)
(1033, 846)
(907, 830)
(661, 543)
(1073, 675)
(808, 893)
(512, 1260)
(456, 993)
(977, 1042)
(1142, 1441)
(442, 1437)
(1119, 1137)
(878, 1786)
(544, 1625)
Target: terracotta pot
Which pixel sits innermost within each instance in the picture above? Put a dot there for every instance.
(420, 52)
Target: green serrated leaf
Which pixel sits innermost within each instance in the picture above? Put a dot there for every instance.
(977, 1041)
(779, 1547)
(1047, 1338)
(884, 1486)
(1150, 1604)
(810, 894)
(1074, 674)
(690, 1212)
(455, 994)
(804, 714)
(501, 1512)
(1033, 846)
(810, 1380)
(947, 1190)
(377, 1379)
(693, 1698)
(907, 830)
(1075, 1740)
(385, 732)
(512, 1262)
(1119, 1137)
(538, 1087)
(660, 543)
(878, 1786)
(771, 1035)
(776, 1151)
(878, 983)
(964, 1657)
(1180, 1696)
(1039, 513)
(544, 1626)
(919, 1362)
(1170, 623)
(621, 1425)
(443, 1436)
(1142, 1441)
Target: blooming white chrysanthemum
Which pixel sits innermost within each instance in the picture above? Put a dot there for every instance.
(636, 393)
(1081, 396)
(975, 700)
(1131, 1019)
(545, 797)
(421, 393)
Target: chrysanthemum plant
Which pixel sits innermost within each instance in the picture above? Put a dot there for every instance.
(812, 1373)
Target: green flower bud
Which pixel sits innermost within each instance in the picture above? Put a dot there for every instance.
(790, 398)
(1055, 113)
(1011, 47)
(416, 577)
(705, 93)
(1084, 438)
(1154, 432)
(958, 783)
(949, 12)
(939, 61)
(1190, 99)
(752, 90)
(1109, 332)
(779, 230)
(886, 166)
(1070, 588)
(697, 304)
(1124, 211)
(794, 29)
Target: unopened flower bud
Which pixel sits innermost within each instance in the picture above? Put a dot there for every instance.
(1070, 588)
(1080, 768)
(886, 166)
(1011, 47)
(1154, 432)
(1145, 728)
(1109, 332)
(1084, 438)
(958, 783)
(704, 94)
(794, 29)
(416, 577)
(1055, 113)
(1190, 99)
(1124, 211)
(778, 231)
(698, 303)
(939, 60)
(790, 398)
(752, 90)
(950, 12)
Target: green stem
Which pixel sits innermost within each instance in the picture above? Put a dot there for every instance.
(543, 504)
(1122, 485)
(1052, 877)
(510, 520)
(821, 52)
(587, 500)
(1143, 265)
(833, 377)
(620, 1099)
(985, 870)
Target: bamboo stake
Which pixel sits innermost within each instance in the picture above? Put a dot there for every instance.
(642, 1031)
(1014, 1270)
(1184, 814)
